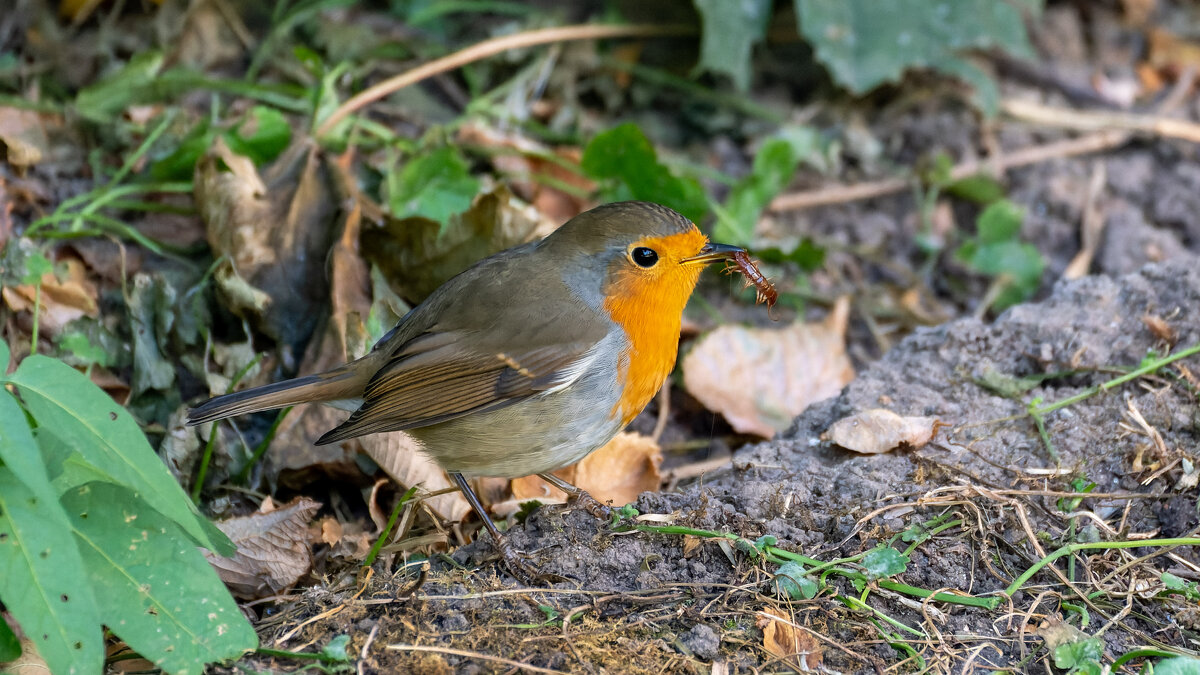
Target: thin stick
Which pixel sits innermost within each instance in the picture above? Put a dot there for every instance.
(1091, 120)
(1084, 145)
(489, 48)
(474, 655)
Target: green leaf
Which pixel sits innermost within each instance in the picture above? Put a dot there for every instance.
(181, 163)
(262, 136)
(1180, 665)
(10, 646)
(1074, 655)
(624, 157)
(884, 561)
(434, 186)
(154, 588)
(865, 43)
(80, 347)
(151, 313)
(791, 581)
(1174, 584)
(730, 30)
(980, 188)
(774, 166)
(85, 418)
(336, 649)
(40, 573)
(104, 100)
(18, 451)
(1000, 222)
(36, 267)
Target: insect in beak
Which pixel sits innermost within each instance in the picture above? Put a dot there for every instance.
(712, 253)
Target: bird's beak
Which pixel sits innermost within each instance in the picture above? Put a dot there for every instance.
(712, 253)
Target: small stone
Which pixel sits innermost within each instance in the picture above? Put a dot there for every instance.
(703, 641)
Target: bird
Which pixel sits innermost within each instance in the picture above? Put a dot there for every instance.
(525, 362)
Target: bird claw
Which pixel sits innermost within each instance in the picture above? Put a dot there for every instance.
(593, 506)
(518, 565)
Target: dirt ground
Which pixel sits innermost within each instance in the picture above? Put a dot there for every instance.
(999, 493)
(649, 602)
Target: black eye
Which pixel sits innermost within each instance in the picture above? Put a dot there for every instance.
(644, 257)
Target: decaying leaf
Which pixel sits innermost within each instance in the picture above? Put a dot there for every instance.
(417, 254)
(23, 133)
(760, 379)
(346, 540)
(399, 455)
(272, 549)
(526, 166)
(878, 430)
(782, 638)
(274, 232)
(63, 300)
(618, 472)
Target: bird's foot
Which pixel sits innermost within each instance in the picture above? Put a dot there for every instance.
(593, 506)
(518, 564)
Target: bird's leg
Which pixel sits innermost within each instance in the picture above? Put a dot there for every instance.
(581, 497)
(513, 560)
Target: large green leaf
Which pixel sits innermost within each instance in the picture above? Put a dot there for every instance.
(155, 589)
(434, 186)
(41, 580)
(865, 43)
(731, 29)
(61, 399)
(17, 449)
(623, 154)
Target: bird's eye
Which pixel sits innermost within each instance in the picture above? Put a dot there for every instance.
(644, 257)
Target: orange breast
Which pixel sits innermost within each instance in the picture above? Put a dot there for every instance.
(648, 305)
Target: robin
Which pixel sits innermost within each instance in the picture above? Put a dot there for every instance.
(527, 361)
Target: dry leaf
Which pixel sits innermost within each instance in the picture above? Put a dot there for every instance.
(272, 549)
(23, 133)
(400, 456)
(417, 255)
(275, 232)
(532, 177)
(1160, 328)
(618, 472)
(348, 541)
(783, 639)
(63, 301)
(878, 430)
(760, 379)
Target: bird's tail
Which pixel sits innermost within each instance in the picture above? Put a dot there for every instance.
(337, 384)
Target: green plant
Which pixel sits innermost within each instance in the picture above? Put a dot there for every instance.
(95, 531)
(865, 43)
(627, 166)
(996, 251)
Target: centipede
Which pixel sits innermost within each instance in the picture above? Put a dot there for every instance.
(764, 290)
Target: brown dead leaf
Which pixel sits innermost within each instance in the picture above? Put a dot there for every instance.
(23, 133)
(782, 638)
(878, 430)
(1171, 54)
(417, 255)
(272, 549)
(399, 455)
(275, 232)
(63, 300)
(348, 541)
(1159, 327)
(531, 173)
(690, 544)
(760, 379)
(618, 472)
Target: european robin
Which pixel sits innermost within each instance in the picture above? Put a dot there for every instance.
(528, 360)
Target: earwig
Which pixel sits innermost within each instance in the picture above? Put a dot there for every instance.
(764, 290)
